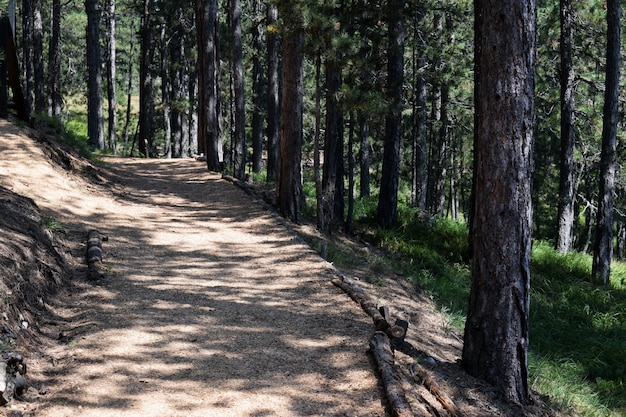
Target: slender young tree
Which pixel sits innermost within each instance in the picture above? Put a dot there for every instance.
(178, 90)
(239, 131)
(95, 128)
(388, 199)
(497, 329)
(111, 78)
(603, 244)
(258, 95)
(54, 62)
(566, 180)
(27, 53)
(38, 67)
(146, 82)
(420, 149)
(273, 103)
(166, 104)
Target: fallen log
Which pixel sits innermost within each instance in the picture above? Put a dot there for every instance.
(359, 296)
(422, 376)
(381, 349)
(94, 254)
(378, 315)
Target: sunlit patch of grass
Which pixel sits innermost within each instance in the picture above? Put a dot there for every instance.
(578, 333)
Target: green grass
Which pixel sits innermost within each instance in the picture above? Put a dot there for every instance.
(578, 330)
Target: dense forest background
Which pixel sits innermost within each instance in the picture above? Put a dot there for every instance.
(376, 101)
(152, 47)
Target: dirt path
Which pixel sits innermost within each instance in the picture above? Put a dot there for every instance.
(209, 308)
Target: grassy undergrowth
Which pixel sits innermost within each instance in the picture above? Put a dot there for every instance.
(578, 331)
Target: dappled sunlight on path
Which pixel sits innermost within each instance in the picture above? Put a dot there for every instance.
(209, 307)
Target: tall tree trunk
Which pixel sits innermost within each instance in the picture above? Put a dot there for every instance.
(566, 180)
(129, 88)
(208, 129)
(364, 155)
(54, 62)
(388, 199)
(111, 78)
(420, 160)
(351, 169)
(497, 330)
(194, 145)
(332, 179)
(95, 128)
(239, 162)
(258, 96)
(39, 84)
(146, 83)
(27, 54)
(178, 89)
(273, 103)
(290, 197)
(165, 91)
(603, 244)
(319, 194)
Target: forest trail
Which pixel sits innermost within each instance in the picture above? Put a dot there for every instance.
(209, 307)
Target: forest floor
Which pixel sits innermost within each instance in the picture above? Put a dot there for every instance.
(210, 304)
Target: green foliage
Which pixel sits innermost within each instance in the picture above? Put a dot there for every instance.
(74, 132)
(578, 331)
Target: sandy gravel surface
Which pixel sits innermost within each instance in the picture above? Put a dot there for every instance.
(209, 306)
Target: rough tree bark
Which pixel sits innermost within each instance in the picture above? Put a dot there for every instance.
(95, 128)
(290, 197)
(603, 244)
(388, 199)
(497, 330)
(273, 104)
(111, 78)
(239, 131)
(566, 180)
(54, 62)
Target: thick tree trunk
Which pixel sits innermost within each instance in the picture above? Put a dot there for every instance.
(332, 179)
(290, 198)
(566, 180)
(208, 129)
(388, 199)
(603, 244)
(273, 104)
(497, 330)
(95, 128)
